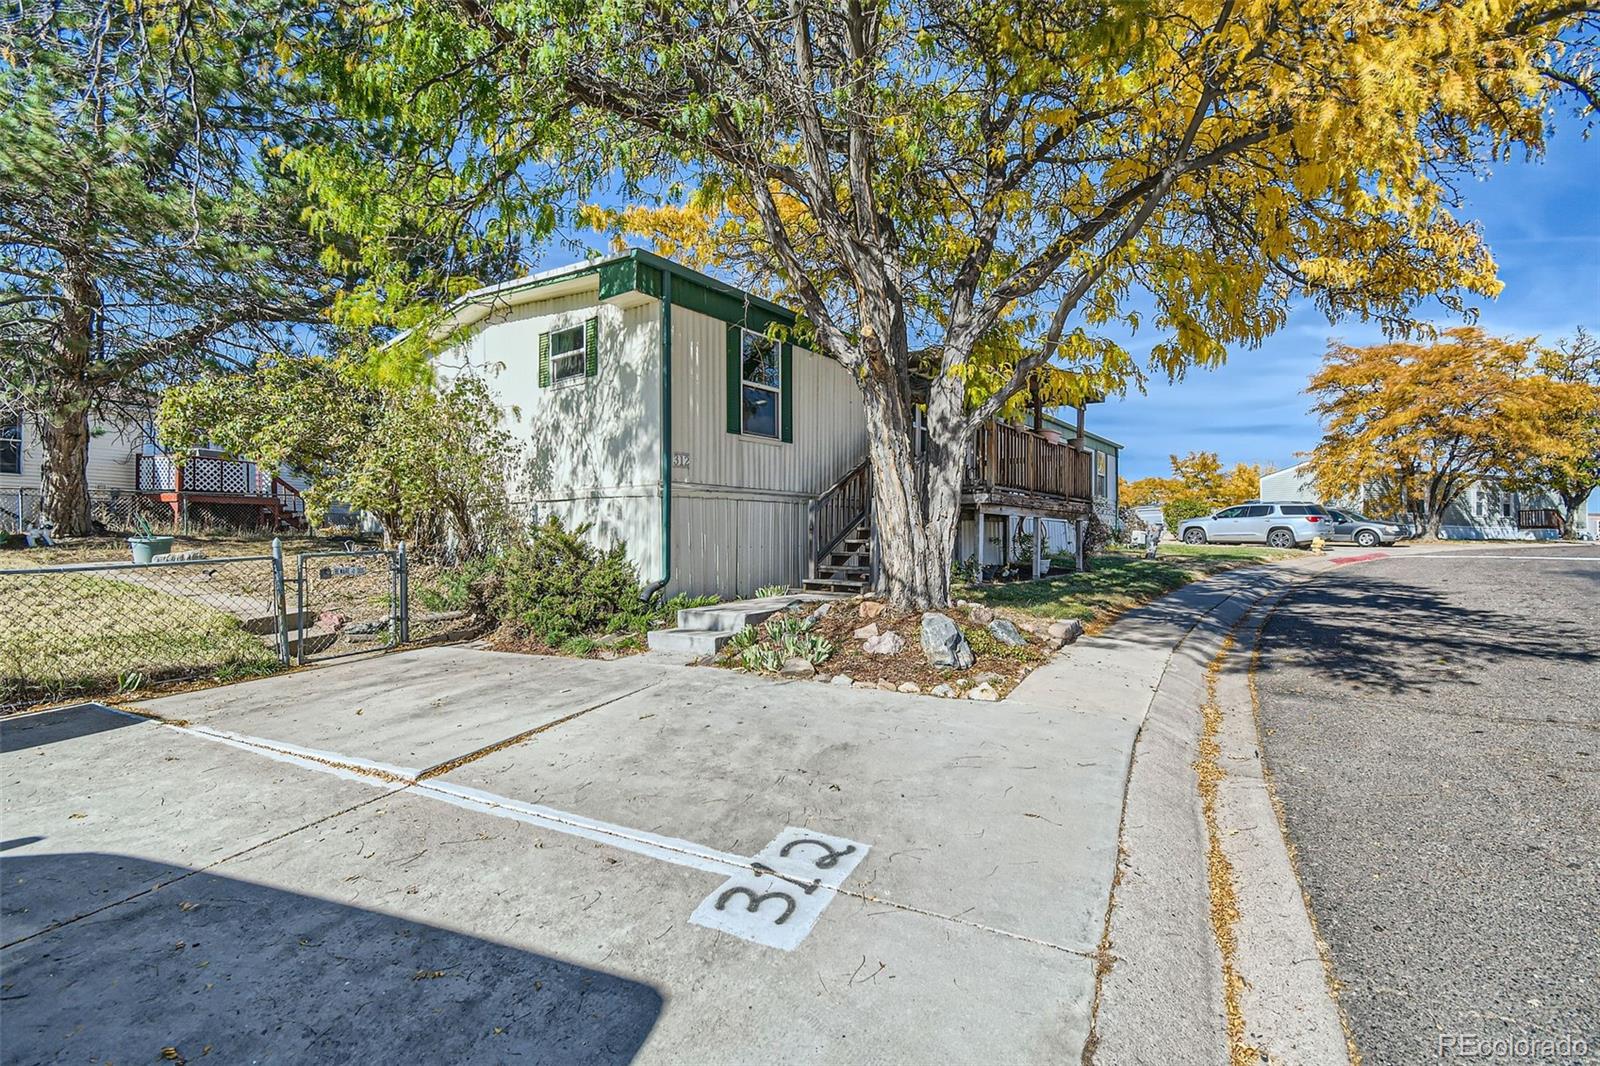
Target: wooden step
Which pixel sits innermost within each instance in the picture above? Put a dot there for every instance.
(822, 584)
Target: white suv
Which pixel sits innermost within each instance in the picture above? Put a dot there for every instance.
(1280, 525)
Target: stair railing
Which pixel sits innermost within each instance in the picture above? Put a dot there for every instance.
(836, 512)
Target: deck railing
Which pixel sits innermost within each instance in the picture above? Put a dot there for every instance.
(1009, 457)
(838, 511)
(206, 475)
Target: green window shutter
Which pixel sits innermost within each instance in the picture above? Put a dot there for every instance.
(786, 392)
(591, 347)
(735, 374)
(544, 360)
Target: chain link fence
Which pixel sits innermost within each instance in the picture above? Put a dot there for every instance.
(114, 511)
(101, 628)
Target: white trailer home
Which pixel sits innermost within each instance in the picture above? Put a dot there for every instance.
(652, 406)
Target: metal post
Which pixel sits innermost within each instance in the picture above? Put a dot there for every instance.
(21, 525)
(277, 601)
(1080, 530)
(402, 599)
(1038, 547)
(977, 578)
(300, 611)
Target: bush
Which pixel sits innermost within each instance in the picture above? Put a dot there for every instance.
(556, 586)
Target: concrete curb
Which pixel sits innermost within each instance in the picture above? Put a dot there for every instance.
(1161, 995)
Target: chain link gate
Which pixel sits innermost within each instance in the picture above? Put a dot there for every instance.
(349, 602)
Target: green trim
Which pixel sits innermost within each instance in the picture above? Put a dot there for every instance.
(735, 378)
(666, 431)
(591, 347)
(544, 360)
(786, 392)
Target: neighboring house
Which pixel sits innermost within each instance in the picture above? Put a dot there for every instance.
(1593, 525)
(652, 407)
(1482, 512)
(125, 464)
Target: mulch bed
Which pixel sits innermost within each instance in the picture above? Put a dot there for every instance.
(1001, 665)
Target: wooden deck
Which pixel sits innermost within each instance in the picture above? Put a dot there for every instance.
(1015, 468)
(236, 488)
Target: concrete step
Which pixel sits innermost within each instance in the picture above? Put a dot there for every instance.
(695, 642)
(315, 640)
(733, 615)
(268, 623)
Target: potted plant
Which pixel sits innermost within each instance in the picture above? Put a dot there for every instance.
(147, 545)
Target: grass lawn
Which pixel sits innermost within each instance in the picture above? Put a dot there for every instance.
(1118, 581)
(63, 634)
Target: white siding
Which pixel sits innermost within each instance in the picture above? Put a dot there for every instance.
(739, 503)
(591, 447)
(110, 465)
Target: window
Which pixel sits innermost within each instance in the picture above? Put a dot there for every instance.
(1258, 511)
(1231, 512)
(1291, 509)
(761, 384)
(1101, 479)
(567, 354)
(11, 445)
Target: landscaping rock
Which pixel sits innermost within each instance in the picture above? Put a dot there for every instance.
(1066, 632)
(942, 642)
(911, 688)
(1006, 633)
(866, 632)
(985, 692)
(869, 608)
(988, 677)
(821, 678)
(890, 643)
(842, 679)
(816, 616)
(885, 686)
(943, 690)
(865, 684)
(609, 640)
(797, 667)
(980, 614)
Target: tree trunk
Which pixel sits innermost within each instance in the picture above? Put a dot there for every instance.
(916, 498)
(1572, 518)
(64, 493)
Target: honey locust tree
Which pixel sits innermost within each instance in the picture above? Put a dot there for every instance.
(1409, 426)
(1570, 466)
(930, 177)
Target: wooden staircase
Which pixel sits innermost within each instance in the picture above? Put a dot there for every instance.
(842, 558)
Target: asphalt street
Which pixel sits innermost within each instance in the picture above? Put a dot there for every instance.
(1432, 723)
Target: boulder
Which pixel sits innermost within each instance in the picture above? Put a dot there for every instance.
(821, 678)
(981, 614)
(866, 632)
(797, 667)
(890, 643)
(869, 608)
(1006, 633)
(944, 691)
(842, 679)
(910, 687)
(985, 692)
(943, 644)
(1066, 632)
(987, 677)
(885, 686)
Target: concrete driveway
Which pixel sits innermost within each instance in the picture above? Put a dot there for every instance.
(452, 853)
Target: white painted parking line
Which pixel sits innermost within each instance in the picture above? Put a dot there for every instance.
(773, 898)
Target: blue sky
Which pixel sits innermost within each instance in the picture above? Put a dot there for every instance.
(1542, 222)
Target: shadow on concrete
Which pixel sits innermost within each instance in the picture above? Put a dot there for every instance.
(1368, 630)
(240, 972)
(25, 731)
